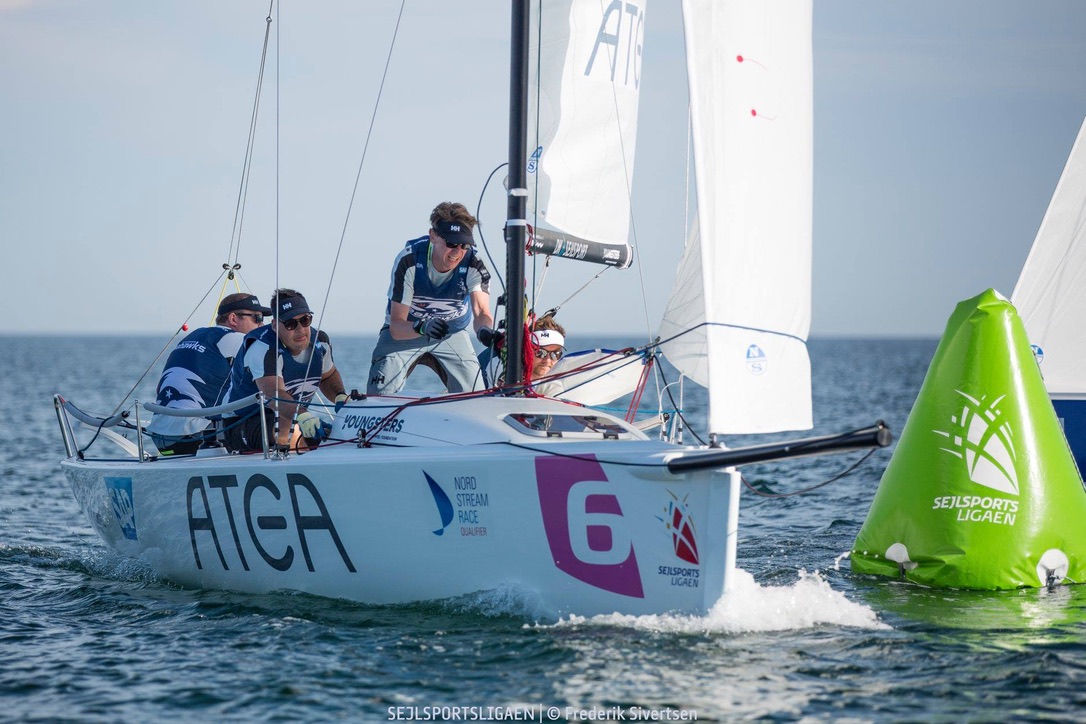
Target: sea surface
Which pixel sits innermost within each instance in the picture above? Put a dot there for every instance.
(86, 635)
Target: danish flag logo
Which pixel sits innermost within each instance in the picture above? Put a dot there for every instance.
(678, 521)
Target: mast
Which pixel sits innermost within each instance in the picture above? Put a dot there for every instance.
(516, 224)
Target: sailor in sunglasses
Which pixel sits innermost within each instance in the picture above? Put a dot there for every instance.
(549, 345)
(439, 294)
(288, 360)
(196, 373)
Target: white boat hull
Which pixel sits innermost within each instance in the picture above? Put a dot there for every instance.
(579, 527)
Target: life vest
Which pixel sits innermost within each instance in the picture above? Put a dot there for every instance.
(301, 378)
(450, 300)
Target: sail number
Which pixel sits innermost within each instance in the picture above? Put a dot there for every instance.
(260, 528)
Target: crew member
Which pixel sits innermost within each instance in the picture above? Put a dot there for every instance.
(288, 361)
(197, 371)
(440, 289)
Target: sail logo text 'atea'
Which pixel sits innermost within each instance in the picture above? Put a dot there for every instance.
(622, 30)
(982, 437)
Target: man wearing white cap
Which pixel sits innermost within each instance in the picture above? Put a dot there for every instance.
(440, 289)
(549, 340)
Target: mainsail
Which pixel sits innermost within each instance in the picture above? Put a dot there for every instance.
(585, 73)
(1051, 292)
(743, 285)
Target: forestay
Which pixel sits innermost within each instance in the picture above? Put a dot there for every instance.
(585, 72)
(744, 281)
(1051, 292)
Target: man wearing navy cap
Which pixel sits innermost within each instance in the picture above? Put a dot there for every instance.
(197, 371)
(288, 360)
(440, 288)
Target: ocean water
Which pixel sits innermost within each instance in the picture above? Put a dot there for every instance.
(87, 635)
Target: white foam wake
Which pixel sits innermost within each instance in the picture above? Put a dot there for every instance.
(750, 607)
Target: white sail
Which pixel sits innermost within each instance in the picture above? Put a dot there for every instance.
(607, 376)
(585, 71)
(1051, 292)
(745, 276)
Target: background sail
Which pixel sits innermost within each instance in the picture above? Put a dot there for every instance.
(1051, 292)
(746, 271)
(585, 71)
(605, 382)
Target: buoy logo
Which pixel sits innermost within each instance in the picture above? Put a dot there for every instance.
(982, 437)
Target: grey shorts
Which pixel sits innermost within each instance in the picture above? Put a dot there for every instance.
(453, 358)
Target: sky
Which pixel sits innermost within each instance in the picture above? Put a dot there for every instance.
(941, 129)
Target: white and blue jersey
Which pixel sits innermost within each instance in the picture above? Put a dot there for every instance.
(195, 375)
(428, 293)
(262, 355)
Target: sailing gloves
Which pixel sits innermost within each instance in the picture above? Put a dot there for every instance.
(432, 327)
(341, 400)
(436, 328)
(489, 337)
(312, 427)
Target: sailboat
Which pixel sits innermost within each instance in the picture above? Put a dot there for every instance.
(1051, 296)
(583, 512)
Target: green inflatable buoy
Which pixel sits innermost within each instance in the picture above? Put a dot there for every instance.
(982, 491)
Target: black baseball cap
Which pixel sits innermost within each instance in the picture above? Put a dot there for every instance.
(248, 303)
(291, 307)
(454, 232)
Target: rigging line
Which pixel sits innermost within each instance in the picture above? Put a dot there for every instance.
(678, 410)
(689, 156)
(633, 242)
(365, 149)
(686, 240)
(604, 365)
(482, 239)
(247, 175)
(535, 148)
(246, 166)
(278, 106)
(168, 344)
(724, 325)
(537, 289)
(835, 478)
(240, 281)
(357, 179)
(629, 197)
(581, 289)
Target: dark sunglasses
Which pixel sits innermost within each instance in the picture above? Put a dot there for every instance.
(450, 244)
(258, 318)
(544, 354)
(305, 320)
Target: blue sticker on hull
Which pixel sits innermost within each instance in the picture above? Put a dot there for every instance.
(120, 497)
(444, 505)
